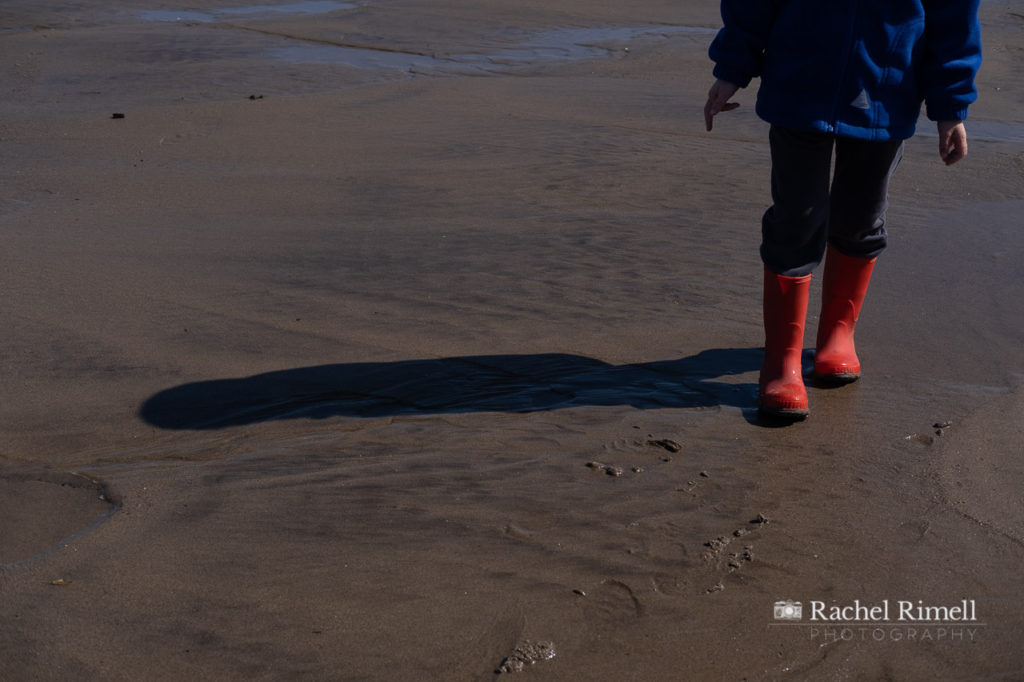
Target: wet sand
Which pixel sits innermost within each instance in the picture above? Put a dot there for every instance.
(382, 342)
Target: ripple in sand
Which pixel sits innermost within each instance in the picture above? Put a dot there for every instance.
(42, 510)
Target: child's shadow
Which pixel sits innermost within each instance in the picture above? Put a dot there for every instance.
(484, 383)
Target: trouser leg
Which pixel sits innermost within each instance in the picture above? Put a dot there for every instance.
(809, 209)
(860, 195)
(795, 229)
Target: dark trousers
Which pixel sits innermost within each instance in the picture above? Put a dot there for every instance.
(811, 209)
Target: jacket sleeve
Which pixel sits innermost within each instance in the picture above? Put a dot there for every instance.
(738, 49)
(952, 57)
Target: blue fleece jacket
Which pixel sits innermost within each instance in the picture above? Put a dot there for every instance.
(858, 68)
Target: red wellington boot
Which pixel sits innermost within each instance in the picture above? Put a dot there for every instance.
(781, 388)
(842, 294)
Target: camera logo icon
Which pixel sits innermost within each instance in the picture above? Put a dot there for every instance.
(788, 610)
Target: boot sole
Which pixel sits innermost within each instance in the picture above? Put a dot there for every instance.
(790, 414)
(831, 378)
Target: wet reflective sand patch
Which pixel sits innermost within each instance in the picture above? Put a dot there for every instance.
(252, 11)
(565, 45)
(983, 131)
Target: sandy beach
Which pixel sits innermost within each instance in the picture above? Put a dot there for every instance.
(419, 341)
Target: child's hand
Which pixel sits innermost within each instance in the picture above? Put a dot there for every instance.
(952, 141)
(718, 100)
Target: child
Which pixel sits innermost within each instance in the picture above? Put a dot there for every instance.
(848, 76)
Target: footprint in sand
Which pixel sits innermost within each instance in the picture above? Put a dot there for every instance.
(725, 557)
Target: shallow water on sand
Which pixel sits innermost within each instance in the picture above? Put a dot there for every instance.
(985, 131)
(559, 45)
(253, 12)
